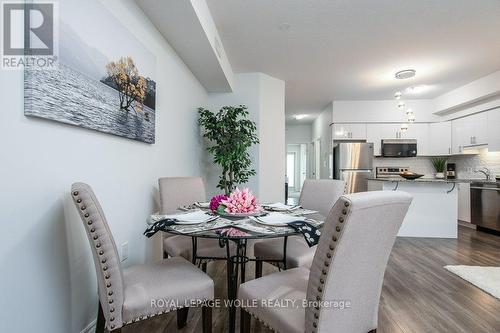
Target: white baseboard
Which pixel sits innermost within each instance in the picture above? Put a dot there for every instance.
(90, 327)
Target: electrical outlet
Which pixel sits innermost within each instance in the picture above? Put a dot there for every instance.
(124, 251)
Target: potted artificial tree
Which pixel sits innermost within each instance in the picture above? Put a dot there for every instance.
(439, 164)
(231, 134)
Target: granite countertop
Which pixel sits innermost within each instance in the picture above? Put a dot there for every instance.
(434, 180)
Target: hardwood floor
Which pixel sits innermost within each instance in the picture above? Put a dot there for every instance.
(418, 296)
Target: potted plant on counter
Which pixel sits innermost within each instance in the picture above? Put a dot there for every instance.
(439, 164)
(231, 134)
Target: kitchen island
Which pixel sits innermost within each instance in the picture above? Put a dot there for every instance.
(434, 209)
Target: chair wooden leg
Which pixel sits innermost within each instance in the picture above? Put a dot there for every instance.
(182, 315)
(101, 321)
(204, 267)
(206, 318)
(258, 269)
(245, 321)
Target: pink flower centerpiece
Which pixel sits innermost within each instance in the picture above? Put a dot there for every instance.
(241, 202)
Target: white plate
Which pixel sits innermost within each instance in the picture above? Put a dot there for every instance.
(277, 219)
(194, 217)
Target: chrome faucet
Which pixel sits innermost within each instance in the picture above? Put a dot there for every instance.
(486, 172)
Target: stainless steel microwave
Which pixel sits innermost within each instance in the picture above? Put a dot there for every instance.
(399, 148)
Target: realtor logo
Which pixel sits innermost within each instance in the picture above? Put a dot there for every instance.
(29, 32)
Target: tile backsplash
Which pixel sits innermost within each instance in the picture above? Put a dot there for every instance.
(466, 164)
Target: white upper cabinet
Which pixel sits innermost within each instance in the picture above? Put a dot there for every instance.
(469, 131)
(349, 131)
(440, 138)
(493, 130)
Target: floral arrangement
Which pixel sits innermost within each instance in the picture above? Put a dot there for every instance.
(238, 202)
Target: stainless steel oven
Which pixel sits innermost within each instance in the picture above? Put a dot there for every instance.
(399, 148)
(485, 205)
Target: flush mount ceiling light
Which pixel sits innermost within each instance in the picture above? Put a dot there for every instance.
(404, 127)
(411, 117)
(401, 105)
(408, 111)
(416, 89)
(300, 116)
(398, 95)
(405, 74)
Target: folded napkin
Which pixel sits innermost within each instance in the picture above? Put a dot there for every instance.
(278, 206)
(311, 233)
(278, 219)
(158, 226)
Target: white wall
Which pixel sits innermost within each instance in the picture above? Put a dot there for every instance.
(264, 96)
(321, 130)
(272, 148)
(298, 134)
(48, 279)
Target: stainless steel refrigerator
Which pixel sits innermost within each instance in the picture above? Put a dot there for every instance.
(353, 163)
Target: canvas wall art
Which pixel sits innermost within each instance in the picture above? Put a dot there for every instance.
(104, 81)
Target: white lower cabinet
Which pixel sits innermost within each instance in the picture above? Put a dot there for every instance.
(464, 202)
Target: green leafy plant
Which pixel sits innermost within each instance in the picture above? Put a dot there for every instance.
(231, 134)
(439, 164)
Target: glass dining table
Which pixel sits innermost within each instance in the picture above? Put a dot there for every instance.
(238, 231)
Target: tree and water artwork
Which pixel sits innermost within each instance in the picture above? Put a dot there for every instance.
(103, 81)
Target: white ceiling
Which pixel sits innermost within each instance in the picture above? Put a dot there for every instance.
(350, 49)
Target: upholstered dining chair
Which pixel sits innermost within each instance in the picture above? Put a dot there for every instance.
(348, 268)
(182, 191)
(316, 194)
(141, 291)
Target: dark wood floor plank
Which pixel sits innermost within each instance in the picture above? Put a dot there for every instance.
(418, 295)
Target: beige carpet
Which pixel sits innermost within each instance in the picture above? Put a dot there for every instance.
(485, 278)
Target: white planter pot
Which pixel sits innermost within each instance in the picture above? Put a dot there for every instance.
(439, 175)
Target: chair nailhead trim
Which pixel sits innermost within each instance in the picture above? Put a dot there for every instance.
(320, 289)
(327, 263)
(344, 211)
(103, 261)
(332, 247)
(112, 326)
(112, 319)
(105, 268)
(334, 238)
(328, 255)
(79, 200)
(75, 193)
(101, 253)
(98, 245)
(108, 285)
(92, 230)
(95, 237)
(316, 315)
(341, 219)
(110, 301)
(324, 272)
(86, 215)
(346, 204)
(83, 207)
(107, 277)
(112, 310)
(337, 228)
(322, 281)
(315, 324)
(89, 222)
(110, 293)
